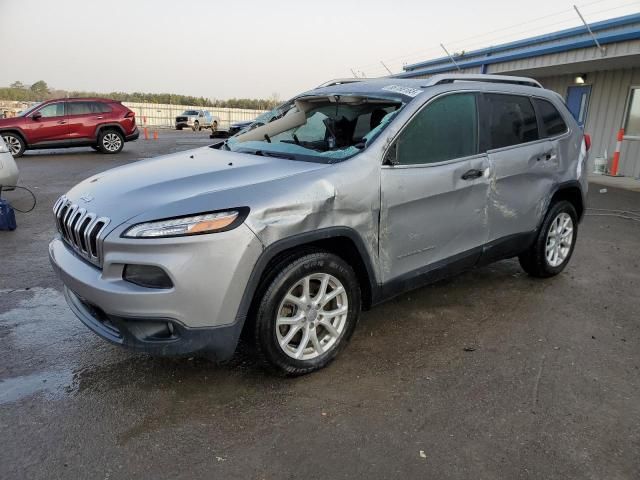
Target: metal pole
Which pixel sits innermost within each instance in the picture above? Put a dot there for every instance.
(387, 68)
(602, 49)
(450, 57)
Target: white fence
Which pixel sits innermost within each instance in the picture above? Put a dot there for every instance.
(164, 115)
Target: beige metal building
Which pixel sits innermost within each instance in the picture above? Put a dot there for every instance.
(598, 74)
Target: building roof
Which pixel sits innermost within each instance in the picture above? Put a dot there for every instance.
(607, 31)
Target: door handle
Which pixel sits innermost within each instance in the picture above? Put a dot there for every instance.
(61, 122)
(99, 118)
(472, 174)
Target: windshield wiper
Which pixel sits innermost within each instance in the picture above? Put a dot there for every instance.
(263, 153)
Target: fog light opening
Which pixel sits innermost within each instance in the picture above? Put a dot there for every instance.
(148, 276)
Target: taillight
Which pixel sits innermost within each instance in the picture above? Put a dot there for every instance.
(587, 141)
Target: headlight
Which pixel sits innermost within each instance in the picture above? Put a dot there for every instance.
(191, 225)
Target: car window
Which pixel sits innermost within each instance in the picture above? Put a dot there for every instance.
(445, 129)
(552, 121)
(52, 110)
(509, 119)
(100, 107)
(79, 108)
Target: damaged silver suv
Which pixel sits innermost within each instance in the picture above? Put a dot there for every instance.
(357, 192)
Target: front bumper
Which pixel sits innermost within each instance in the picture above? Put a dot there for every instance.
(209, 274)
(157, 336)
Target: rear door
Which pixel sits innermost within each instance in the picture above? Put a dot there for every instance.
(84, 118)
(49, 124)
(523, 164)
(434, 196)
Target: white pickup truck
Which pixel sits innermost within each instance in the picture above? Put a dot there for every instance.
(197, 120)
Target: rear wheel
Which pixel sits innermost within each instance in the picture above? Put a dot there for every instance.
(110, 141)
(554, 245)
(308, 312)
(196, 126)
(179, 127)
(15, 143)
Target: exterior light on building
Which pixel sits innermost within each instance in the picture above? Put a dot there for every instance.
(580, 79)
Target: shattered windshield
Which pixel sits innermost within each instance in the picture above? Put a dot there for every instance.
(325, 129)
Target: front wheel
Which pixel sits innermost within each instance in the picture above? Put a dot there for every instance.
(554, 245)
(110, 141)
(15, 144)
(308, 312)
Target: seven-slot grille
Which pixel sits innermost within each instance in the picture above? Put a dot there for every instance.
(81, 230)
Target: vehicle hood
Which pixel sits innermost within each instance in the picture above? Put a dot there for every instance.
(188, 182)
(11, 122)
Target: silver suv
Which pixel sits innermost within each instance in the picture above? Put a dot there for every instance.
(358, 192)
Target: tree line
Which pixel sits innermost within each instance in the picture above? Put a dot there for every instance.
(40, 91)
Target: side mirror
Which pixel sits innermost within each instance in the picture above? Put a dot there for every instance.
(36, 116)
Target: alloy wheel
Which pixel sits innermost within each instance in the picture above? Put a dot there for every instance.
(13, 143)
(111, 142)
(312, 316)
(559, 239)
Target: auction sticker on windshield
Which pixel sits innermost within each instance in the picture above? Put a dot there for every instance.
(408, 91)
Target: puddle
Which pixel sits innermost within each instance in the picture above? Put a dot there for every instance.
(52, 384)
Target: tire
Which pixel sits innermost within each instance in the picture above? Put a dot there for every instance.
(179, 128)
(196, 126)
(214, 126)
(110, 141)
(16, 144)
(279, 336)
(554, 244)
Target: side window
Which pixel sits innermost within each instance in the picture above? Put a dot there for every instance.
(52, 110)
(552, 122)
(509, 119)
(79, 108)
(99, 107)
(445, 129)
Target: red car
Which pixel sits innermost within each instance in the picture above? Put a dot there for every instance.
(102, 124)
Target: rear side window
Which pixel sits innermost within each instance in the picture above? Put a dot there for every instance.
(99, 107)
(445, 129)
(509, 120)
(79, 108)
(86, 108)
(550, 118)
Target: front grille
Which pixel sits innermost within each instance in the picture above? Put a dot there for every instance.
(181, 119)
(81, 230)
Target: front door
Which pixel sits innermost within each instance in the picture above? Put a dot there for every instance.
(49, 125)
(434, 191)
(578, 102)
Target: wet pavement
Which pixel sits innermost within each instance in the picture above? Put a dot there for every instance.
(491, 374)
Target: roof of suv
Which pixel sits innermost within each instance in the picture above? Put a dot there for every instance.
(412, 87)
(83, 99)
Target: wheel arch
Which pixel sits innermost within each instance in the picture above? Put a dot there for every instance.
(18, 132)
(571, 192)
(341, 241)
(110, 126)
